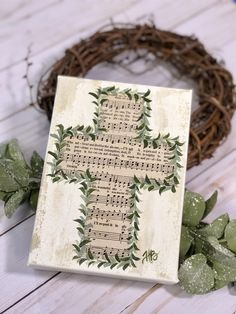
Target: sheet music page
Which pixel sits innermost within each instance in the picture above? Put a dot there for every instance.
(116, 162)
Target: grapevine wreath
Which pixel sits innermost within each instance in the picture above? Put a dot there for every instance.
(210, 122)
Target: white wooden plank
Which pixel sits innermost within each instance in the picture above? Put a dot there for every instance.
(12, 11)
(14, 248)
(69, 287)
(215, 27)
(67, 18)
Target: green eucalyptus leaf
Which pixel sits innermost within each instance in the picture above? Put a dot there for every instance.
(195, 276)
(3, 149)
(230, 235)
(224, 272)
(194, 207)
(186, 241)
(210, 203)
(16, 171)
(14, 152)
(220, 284)
(218, 252)
(34, 199)
(7, 181)
(36, 163)
(2, 195)
(216, 228)
(230, 230)
(13, 203)
(232, 244)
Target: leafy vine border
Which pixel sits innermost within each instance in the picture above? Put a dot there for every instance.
(86, 179)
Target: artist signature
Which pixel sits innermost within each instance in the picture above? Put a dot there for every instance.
(150, 256)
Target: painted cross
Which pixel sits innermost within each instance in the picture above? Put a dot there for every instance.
(112, 161)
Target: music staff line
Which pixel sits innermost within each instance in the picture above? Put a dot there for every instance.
(82, 160)
(112, 200)
(121, 126)
(117, 139)
(101, 250)
(105, 235)
(122, 104)
(107, 215)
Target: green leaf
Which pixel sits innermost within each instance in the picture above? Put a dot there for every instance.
(230, 235)
(7, 181)
(125, 266)
(146, 99)
(216, 228)
(224, 272)
(14, 152)
(129, 95)
(101, 264)
(147, 93)
(147, 128)
(82, 260)
(56, 179)
(154, 144)
(88, 174)
(210, 203)
(80, 128)
(81, 222)
(34, 199)
(173, 189)
(162, 189)
(135, 257)
(15, 170)
(84, 242)
(90, 255)
(117, 257)
(113, 265)
(232, 244)
(136, 97)
(186, 241)
(107, 257)
(81, 230)
(36, 163)
(94, 95)
(103, 100)
(53, 154)
(3, 195)
(194, 207)
(136, 180)
(76, 247)
(147, 180)
(14, 202)
(195, 276)
(140, 117)
(145, 143)
(176, 181)
(3, 150)
(109, 89)
(220, 284)
(90, 191)
(230, 230)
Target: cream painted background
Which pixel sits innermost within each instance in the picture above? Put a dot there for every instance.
(55, 231)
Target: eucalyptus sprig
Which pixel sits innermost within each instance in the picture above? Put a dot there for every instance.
(207, 251)
(19, 181)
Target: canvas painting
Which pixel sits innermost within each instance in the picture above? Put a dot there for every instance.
(112, 189)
